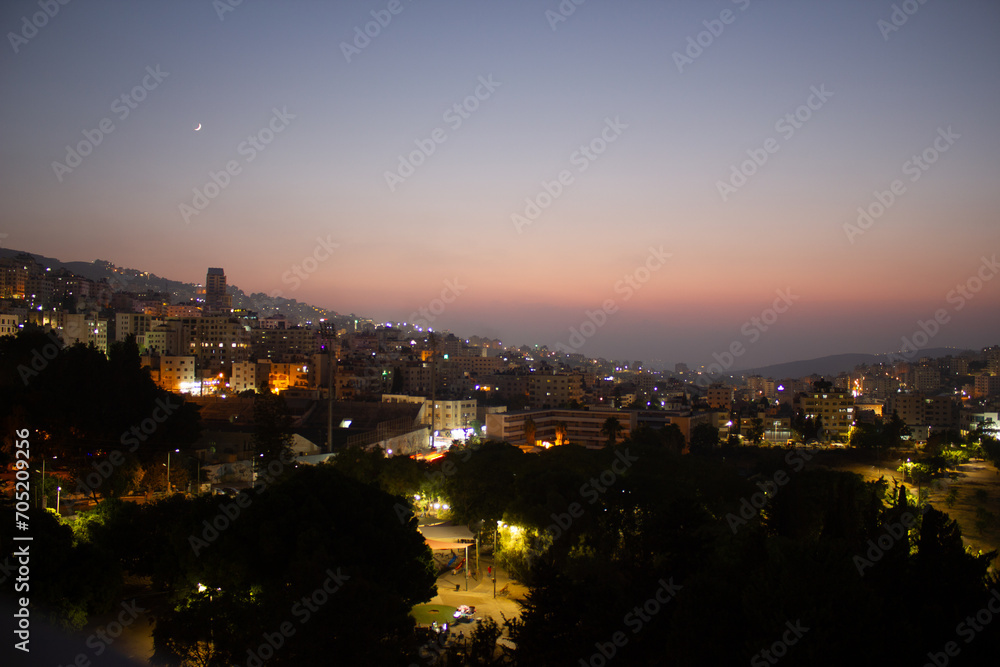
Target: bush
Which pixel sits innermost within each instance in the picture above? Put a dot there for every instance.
(955, 457)
(984, 520)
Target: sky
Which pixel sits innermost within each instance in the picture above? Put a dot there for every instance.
(738, 183)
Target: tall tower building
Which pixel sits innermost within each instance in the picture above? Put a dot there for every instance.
(216, 298)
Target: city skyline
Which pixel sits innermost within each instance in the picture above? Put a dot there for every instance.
(697, 170)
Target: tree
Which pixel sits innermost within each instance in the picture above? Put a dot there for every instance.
(756, 432)
(704, 437)
(73, 580)
(673, 438)
(480, 484)
(316, 550)
(611, 429)
(529, 432)
(126, 478)
(647, 436)
(894, 431)
(561, 429)
(476, 427)
(991, 448)
(807, 428)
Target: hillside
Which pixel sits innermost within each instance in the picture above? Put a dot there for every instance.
(840, 363)
(134, 280)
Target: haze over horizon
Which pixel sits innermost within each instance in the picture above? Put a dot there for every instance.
(310, 128)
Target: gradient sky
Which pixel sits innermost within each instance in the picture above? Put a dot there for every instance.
(655, 186)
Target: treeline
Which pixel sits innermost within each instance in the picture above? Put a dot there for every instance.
(638, 554)
(309, 564)
(100, 419)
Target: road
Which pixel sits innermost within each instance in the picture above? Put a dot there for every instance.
(480, 594)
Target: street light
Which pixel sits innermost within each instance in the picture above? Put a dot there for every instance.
(58, 492)
(197, 476)
(496, 533)
(168, 470)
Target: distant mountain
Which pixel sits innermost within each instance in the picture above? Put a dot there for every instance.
(134, 280)
(839, 363)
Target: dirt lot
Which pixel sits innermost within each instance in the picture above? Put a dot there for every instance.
(968, 479)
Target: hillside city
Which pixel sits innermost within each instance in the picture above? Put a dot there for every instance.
(427, 381)
(216, 460)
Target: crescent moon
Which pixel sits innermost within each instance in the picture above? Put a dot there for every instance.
(197, 128)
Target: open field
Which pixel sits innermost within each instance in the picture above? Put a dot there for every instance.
(977, 484)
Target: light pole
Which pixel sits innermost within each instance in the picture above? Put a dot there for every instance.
(58, 492)
(168, 470)
(197, 488)
(496, 533)
(253, 470)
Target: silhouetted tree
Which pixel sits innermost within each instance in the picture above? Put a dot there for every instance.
(611, 428)
(704, 437)
(529, 432)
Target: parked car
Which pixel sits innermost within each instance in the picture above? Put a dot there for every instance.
(464, 614)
